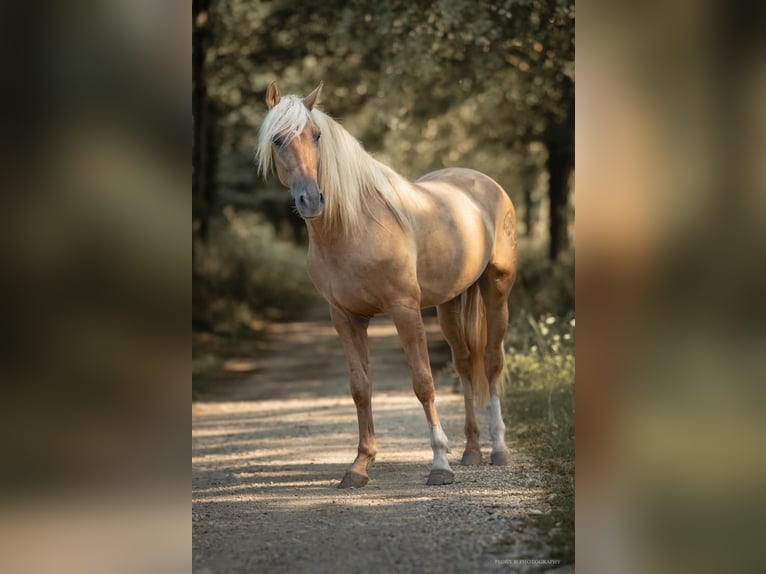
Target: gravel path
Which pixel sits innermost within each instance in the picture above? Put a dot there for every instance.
(270, 446)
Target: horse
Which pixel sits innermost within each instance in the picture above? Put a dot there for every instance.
(379, 243)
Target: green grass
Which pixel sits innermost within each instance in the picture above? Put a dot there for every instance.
(539, 402)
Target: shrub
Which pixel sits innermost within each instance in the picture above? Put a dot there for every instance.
(248, 274)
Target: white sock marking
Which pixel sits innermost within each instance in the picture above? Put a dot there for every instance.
(440, 446)
(496, 425)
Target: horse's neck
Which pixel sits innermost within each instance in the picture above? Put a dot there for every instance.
(380, 220)
(364, 192)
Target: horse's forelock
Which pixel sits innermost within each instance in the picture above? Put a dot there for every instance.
(286, 119)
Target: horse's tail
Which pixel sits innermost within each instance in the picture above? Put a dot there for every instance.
(474, 317)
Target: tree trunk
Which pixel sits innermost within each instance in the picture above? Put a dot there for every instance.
(203, 145)
(559, 140)
(528, 210)
(559, 166)
(203, 152)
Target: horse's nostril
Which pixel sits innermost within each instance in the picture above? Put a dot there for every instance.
(302, 199)
(321, 198)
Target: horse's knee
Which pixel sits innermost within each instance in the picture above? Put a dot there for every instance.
(361, 397)
(493, 362)
(361, 391)
(425, 394)
(423, 385)
(471, 429)
(463, 365)
(494, 372)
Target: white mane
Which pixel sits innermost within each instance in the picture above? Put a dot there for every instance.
(350, 178)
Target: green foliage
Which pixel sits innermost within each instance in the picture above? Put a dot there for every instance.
(540, 403)
(423, 85)
(247, 273)
(542, 286)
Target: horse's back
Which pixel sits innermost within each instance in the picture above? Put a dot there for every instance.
(478, 190)
(474, 183)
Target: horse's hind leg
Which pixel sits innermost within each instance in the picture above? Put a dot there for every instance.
(451, 325)
(352, 330)
(409, 324)
(495, 284)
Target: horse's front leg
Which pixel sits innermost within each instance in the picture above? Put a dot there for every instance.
(409, 324)
(352, 330)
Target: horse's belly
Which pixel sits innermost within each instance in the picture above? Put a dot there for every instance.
(452, 259)
(435, 292)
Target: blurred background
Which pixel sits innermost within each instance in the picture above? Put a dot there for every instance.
(95, 261)
(671, 469)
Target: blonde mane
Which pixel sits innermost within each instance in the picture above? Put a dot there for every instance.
(350, 178)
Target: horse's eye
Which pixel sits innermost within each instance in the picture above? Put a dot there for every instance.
(278, 141)
(316, 136)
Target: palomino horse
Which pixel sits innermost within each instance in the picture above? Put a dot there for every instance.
(381, 244)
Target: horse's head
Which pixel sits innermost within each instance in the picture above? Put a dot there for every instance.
(290, 137)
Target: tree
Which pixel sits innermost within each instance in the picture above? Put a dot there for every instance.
(203, 148)
(203, 152)
(559, 139)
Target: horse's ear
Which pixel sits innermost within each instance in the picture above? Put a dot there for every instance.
(311, 100)
(273, 95)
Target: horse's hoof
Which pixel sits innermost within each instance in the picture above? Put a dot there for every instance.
(471, 458)
(439, 477)
(353, 480)
(501, 458)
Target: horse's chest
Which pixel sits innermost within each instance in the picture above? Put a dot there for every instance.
(357, 285)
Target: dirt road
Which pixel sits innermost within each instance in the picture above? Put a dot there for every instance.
(269, 448)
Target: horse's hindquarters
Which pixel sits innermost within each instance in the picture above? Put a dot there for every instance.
(457, 231)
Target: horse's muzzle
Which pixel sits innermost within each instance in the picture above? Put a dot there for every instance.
(309, 201)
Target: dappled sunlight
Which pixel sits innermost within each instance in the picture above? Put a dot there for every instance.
(304, 331)
(251, 433)
(266, 462)
(378, 330)
(306, 485)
